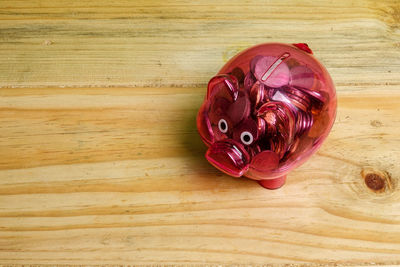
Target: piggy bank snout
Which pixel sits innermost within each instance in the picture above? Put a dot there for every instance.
(229, 156)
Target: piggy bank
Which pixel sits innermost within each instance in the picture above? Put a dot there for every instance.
(266, 112)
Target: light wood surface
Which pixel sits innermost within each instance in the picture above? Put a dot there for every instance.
(100, 161)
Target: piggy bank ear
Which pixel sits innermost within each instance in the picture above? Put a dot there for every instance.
(204, 125)
(224, 84)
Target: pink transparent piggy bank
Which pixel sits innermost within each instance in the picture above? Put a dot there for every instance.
(266, 112)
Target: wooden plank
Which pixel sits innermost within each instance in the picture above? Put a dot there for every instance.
(117, 175)
(183, 43)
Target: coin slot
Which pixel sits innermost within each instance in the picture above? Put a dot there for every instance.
(274, 66)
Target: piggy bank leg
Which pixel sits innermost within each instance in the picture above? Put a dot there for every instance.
(273, 183)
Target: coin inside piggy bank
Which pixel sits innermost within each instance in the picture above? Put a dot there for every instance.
(266, 112)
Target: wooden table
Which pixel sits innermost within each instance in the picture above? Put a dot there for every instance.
(101, 163)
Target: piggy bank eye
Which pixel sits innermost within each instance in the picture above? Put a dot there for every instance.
(246, 138)
(223, 126)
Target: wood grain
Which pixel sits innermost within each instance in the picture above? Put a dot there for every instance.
(99, 175)
(183, 43)
(116, 174)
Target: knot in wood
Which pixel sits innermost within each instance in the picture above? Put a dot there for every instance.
(374, 181)
(377, 181)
